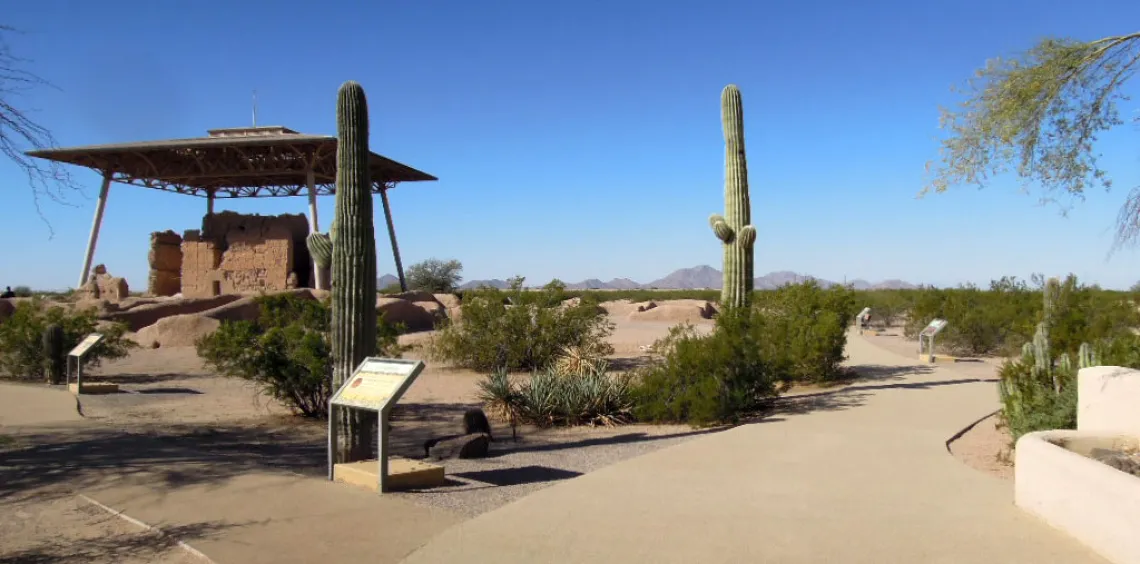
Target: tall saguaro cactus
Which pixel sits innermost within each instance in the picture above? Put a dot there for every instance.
(353, 263)
(734, 228)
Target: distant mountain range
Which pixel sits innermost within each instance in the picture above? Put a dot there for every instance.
(695, 278)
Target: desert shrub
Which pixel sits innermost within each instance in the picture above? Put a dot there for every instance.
(805, 329)
(22, 291)
(286, 352)
(887, 306)
(22, 354)
(1036, 400)
(520, 330)
(1123, 350)
(1000, 320)
(705, 379)
(590, 396)
(435, 276)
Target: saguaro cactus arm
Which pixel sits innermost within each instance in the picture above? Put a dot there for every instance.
(721, 228)
(320, 247)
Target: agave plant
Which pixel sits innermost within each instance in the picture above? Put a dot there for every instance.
(578, 360)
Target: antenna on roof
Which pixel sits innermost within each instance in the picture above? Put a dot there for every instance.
(255, 107)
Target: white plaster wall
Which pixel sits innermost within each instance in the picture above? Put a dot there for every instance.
(1108, 400)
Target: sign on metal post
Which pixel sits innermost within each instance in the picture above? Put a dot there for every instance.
(75, 357)
(376, 385)
(929, 332)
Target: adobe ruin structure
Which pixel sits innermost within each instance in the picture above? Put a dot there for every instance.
(232, 252)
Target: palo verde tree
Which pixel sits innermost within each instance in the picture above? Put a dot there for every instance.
(435, 275)
(19, 132)
(1038, 115)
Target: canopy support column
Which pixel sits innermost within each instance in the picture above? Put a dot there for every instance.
(392, 236)
(95, 225)
(210, 203)
(319, 281)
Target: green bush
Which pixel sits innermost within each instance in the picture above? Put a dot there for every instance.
(286, 352)
(22, 291)
(706, 379)
(805, 328)
(1000, 320)
(1030, 402)
(520, 330)
(22, 354)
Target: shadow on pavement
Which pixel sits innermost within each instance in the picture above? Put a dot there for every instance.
(143, 544)
(518, 476)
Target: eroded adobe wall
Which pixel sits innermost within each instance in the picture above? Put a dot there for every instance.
(245, 253)
(165, 259)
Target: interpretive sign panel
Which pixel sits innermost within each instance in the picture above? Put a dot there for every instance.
(85, 345)
(376, 385)
(75, 359)
(377, 382)
(933, 328)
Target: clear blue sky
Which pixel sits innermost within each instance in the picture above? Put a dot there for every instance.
(576, 139)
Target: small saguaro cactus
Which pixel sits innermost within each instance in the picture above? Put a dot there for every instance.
(353, 263)
(54, 354)
(1086, 357)
(320, 248)
(734, 228)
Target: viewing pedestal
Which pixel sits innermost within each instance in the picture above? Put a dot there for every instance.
(403, 473)
(90, 388)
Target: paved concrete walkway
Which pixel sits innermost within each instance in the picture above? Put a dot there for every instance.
(865, 477)
(29, 405)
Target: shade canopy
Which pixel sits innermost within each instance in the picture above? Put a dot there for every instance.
(251, 162)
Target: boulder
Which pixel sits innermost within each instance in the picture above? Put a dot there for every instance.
(448, 301)
(475, 445)
(645, 306)
(410, 314)
(177, 331)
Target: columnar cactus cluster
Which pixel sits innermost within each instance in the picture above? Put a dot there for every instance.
(734, 228)
(353, 261)
(55, 354)
(1042, 375)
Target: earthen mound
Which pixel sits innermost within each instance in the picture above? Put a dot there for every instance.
(177, 331)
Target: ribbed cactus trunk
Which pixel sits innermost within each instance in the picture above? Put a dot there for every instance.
(353, 265)
(54, 354)
(734, 228)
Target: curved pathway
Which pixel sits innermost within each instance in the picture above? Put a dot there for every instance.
(858, 475)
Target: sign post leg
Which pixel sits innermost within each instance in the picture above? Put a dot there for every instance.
(382, 449)
(78, 375)
(332, 440)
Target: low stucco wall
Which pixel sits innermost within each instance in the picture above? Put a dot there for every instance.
(1056, 481)
(1108, 400)
(1095, 503)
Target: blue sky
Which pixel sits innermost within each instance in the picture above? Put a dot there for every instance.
(576, 139)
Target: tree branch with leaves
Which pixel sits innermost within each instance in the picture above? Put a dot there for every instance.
(1038, 115)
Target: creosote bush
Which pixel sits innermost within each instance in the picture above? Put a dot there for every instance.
(22, 352)
(521, 330)
(286, 352)
(796, 335)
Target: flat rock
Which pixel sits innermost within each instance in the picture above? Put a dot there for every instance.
(475, 445)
